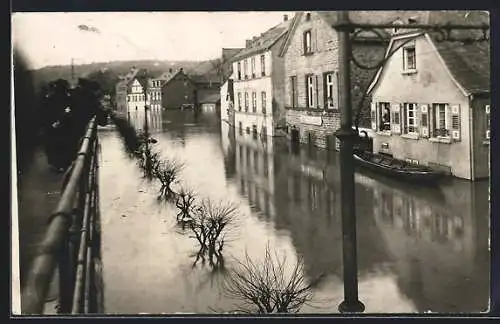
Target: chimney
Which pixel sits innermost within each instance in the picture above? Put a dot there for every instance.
(285, 17)
(248, 43)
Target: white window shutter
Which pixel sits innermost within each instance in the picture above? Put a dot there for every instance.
(374, 115)
(396, 127)
(455, 122)
(424, 114)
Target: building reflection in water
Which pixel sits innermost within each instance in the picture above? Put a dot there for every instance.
(155, 120)
(430, 243)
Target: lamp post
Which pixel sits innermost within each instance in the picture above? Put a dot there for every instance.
(346, 135)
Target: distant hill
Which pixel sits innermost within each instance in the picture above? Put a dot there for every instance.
(49, 73)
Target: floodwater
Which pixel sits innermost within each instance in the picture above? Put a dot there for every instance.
(419, 249)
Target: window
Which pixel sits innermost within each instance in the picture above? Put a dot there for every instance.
(307, 42)
(239, 71)
(254, 101)
(330, 87)
(409, 58)
(245, 68)
(308, 16)
(252, 62)
(487, 116)
(293, 91)
(246, 101)
(440, 124)
(241, 133)
(263, 98)
(239, 101)
(263, 65)
(310, 91)
(410, 118)
(128, 98)
(384, 110)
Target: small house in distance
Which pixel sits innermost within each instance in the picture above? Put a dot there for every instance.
(431, 100)
(178, 91)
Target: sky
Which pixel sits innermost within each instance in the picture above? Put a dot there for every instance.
(55, 38)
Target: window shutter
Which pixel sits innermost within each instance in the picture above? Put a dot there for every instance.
(455, 122)
(317, 91)
(487, 113)
(424, 121)
(373, 111)
(396, 118)
(314, 40)
(325, 92)
(307, 91)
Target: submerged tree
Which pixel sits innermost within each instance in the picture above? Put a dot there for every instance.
(167, 172)
(185, 203)
(209, 225)
(269, 286)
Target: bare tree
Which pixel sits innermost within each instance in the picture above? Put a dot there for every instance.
(266, 288)
(185, 204)
(209, 226)
(167, 172)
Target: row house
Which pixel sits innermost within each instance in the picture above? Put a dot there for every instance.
(136, 98)
(258, 82)
(310, 53)
(154, 97)
(431, 100)
(178, 91)
(121, 91)
(227, 86)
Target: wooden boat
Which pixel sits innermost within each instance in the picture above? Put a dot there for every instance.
(397, 168)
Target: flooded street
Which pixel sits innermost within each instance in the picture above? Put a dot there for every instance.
(419, 249)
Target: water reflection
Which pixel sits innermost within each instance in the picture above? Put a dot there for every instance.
(419, 249)
(430, 242)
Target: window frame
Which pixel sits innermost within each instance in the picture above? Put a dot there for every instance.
(406, 67)
(263, 98)
(239, 70)
(246, 101)
(437, 132)
(310, 90)
(406, 128)
(252, 66)
(329, 91)
(254, 102)
(263, 65)
(293, 92)
(307, 50)
(239, 101)
(381, 106)
(245, 68)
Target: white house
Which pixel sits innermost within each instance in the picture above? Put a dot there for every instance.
(136, 99)
(258, 82)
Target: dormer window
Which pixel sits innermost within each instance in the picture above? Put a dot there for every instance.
(308, 16)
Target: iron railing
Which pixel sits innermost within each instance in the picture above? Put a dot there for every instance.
(72, 240)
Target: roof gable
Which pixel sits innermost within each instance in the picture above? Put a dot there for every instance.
(467, 63)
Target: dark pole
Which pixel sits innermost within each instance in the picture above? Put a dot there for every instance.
(346, 135)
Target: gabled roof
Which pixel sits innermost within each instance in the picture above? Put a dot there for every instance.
(170, 76)
(467, 62)
(265, 41)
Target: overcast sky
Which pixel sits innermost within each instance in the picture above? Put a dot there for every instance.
(54, 38)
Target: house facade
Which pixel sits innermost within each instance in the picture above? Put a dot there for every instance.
(178, 92)
(311, 78)
(258, 73)
(154, 97)
(136, 98)
(121, 91)
(431, 104)
(227, 102)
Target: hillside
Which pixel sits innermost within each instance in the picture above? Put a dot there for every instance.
(50, 73)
